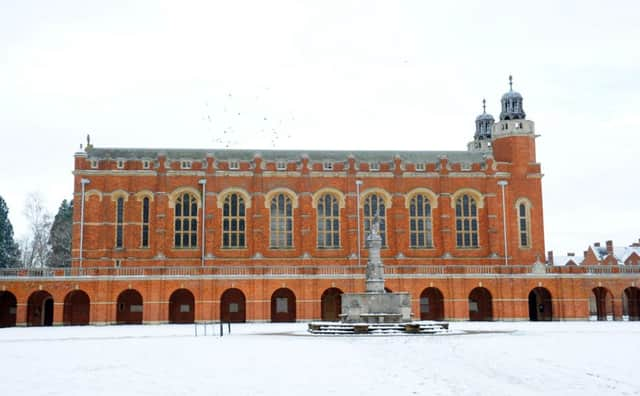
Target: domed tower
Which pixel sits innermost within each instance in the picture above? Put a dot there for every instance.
(512, 104)
(513, 136)
(484, 128)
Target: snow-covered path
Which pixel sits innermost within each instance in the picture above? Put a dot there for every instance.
(585, 358)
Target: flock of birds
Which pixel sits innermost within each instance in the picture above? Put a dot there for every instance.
(237, 119)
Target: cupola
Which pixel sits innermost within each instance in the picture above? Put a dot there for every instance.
(512, 104)
(484, 124)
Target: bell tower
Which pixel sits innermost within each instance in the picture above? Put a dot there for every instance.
(513, 137)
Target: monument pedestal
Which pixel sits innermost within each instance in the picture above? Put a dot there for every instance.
(376, 307)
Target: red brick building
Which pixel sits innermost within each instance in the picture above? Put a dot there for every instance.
(269, 235)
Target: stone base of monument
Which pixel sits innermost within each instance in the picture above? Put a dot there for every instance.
(412, 327)
(376, 307)
(377, 313)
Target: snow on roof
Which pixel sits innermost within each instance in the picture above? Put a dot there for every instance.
(620, 253)
(561, 261)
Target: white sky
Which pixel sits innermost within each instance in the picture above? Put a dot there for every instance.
(329, 74)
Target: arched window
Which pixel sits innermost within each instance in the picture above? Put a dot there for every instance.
(524, 226)
(144, 231)
(420, 222)
(186, 222)
(233, 222)
(328, 225)
(281, 222)
(119, 222)
(374, 205)
(466, 222)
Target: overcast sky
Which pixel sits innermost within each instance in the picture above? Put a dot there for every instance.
(328, 75)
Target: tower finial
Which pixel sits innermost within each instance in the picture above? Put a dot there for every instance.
(510, 83)
(484, 106)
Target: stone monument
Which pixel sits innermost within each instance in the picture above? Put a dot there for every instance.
(375, 305)
(375, 310)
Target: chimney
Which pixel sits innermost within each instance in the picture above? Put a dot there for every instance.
(596, 244)
(571, 254)
(585, 253)
(610, 247)
(550, 257)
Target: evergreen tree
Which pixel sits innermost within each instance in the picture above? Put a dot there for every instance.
(60, 236)
(9, 252)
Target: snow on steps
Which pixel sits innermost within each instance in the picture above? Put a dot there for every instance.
(415, 327)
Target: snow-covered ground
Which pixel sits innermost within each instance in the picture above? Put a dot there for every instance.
(558, 358)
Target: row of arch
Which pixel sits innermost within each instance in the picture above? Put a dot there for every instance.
(130, 306)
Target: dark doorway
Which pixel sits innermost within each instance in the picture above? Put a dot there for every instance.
(233, 306)
(480, 304)
(601, 304)
(540, 307)
(283, 306)
(182, 307)
(76, 308)
(129, 307)
(40, 309)
(631, 299)
(331, 304)
(431, 304)
(8, 309)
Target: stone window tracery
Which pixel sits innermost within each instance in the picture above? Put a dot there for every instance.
(233, 222)
(420, 225)
(524, 226)
(144, 232)
(466, 222)
(119, 222)
(185, 222)
(281, 227)
(328, 222)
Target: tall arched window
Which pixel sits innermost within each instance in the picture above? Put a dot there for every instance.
(144, 231)
(119, 222)
(328, 212)
(186, 222)
(420, 222)
(233, 222)
(466, 222)
(374, 205)
(524, 225)
(281, 222)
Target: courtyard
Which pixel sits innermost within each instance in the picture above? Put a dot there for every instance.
(479, 358)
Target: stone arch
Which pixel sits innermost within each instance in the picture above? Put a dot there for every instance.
(523, 200)
(77, 306)
(433, 198)
(540, 305)
(288, 192)
(601, 304)
(331, 304)
(173, 196)
(631, 303)
(384, 194)
(480, 304)
(233, 190)
(8, 309)
(233, 306)
(328, 190)
(431, 304)
(90, 193)
(140, 195)
(119, 194)
(40, 309)
(477, 195)
(182, 306)
(283, 305)
(129, 307)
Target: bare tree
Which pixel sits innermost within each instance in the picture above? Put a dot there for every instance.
(35, 249)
